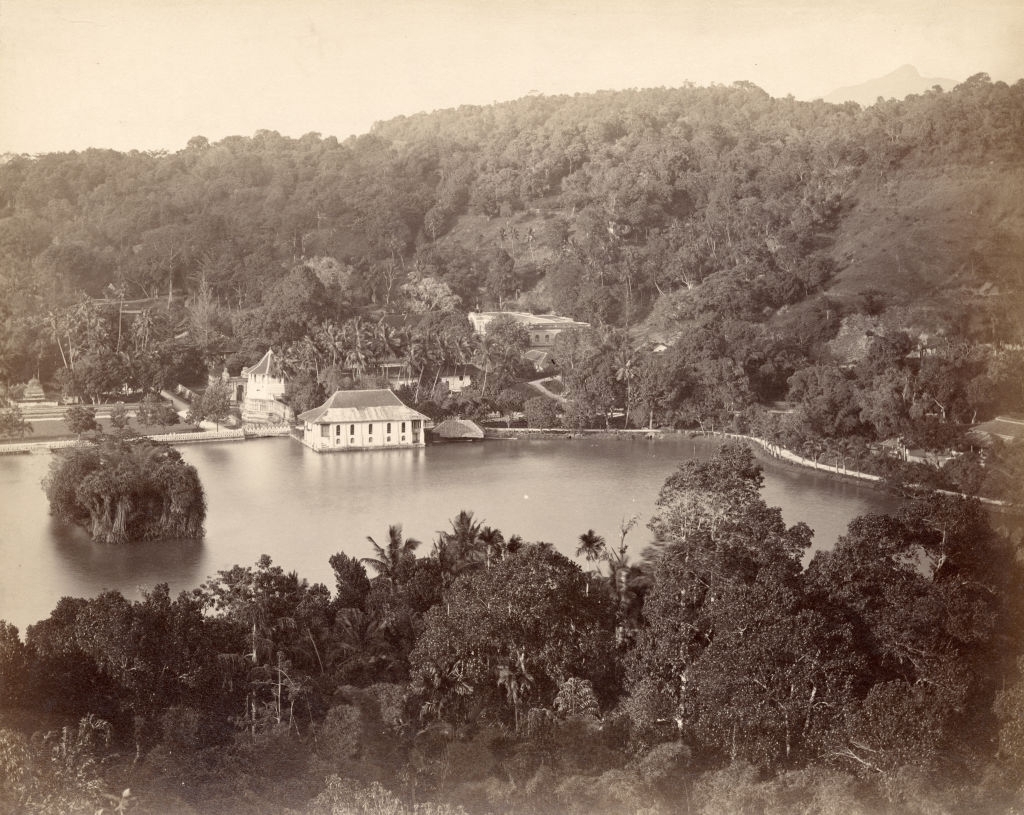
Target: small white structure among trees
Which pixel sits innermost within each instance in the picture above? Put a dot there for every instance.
(264, 389)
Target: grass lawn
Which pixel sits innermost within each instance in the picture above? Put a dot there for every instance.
(524, 390)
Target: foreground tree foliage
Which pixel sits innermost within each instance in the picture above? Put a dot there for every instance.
(883, 657)
(728, 671)
(534, 625)
(126, 490)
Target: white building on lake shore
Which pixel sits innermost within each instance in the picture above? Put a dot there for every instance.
(362, 420)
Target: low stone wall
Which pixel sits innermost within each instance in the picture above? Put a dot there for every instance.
(564, 433)
(15, 448)
(772, 450)
(249, 431)
(775, 451)
(176, 438)
(783, 454)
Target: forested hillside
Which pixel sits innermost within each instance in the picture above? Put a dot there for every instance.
(613, 202)
(768, 242)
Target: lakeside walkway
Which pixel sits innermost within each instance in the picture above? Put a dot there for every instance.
(773, 450)
(249, 431)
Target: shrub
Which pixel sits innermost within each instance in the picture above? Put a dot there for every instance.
(541, 412)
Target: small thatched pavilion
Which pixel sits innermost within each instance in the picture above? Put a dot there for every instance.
(457, 430)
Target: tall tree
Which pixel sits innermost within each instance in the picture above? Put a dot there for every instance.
(505, 637)
(394, 558)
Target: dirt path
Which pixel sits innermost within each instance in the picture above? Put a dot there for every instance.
(537, 386)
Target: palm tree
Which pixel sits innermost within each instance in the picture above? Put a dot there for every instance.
(388, 343)
(415, 360)
(141, 329)
(356, 360)
(437, 354)
(628, 583)
(624, 360)
(359, 648)
(330, 340)
(460, 549)
(493, 542)
(391, 558)
(120, 291)
(358, 353)
(592, 546)
(516, 679)
(484, 355)
(307, 355)
(512, 546)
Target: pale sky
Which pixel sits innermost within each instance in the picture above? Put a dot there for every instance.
(150, 74)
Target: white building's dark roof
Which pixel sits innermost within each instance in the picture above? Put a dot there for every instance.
(361, 406)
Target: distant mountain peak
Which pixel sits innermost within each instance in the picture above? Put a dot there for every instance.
(898, 84)
(904, 70)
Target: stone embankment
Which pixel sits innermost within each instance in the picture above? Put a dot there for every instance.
(773, 450)
(249, 431)
(563, 433)
(781, 453)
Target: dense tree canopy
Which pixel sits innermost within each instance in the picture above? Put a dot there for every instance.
(515, 630)
(125, 491)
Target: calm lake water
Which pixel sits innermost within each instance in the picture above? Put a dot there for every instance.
(275, 496)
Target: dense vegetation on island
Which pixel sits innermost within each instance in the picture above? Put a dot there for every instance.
(717, 673)
(862, 265)
(125, 490)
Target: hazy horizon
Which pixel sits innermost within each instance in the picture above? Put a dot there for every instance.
(149, 76)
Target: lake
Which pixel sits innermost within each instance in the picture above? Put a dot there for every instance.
(275, 496)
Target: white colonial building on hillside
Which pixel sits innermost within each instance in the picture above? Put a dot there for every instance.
(361, 420)
(543, 328)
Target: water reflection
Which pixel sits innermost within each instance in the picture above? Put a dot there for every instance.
(135, 567)
(276, 497)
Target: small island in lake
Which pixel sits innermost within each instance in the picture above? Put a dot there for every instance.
(125, 491)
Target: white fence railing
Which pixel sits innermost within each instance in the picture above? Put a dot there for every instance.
(249, 431)
(261, 431)
(202, 435)
(35, 446)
